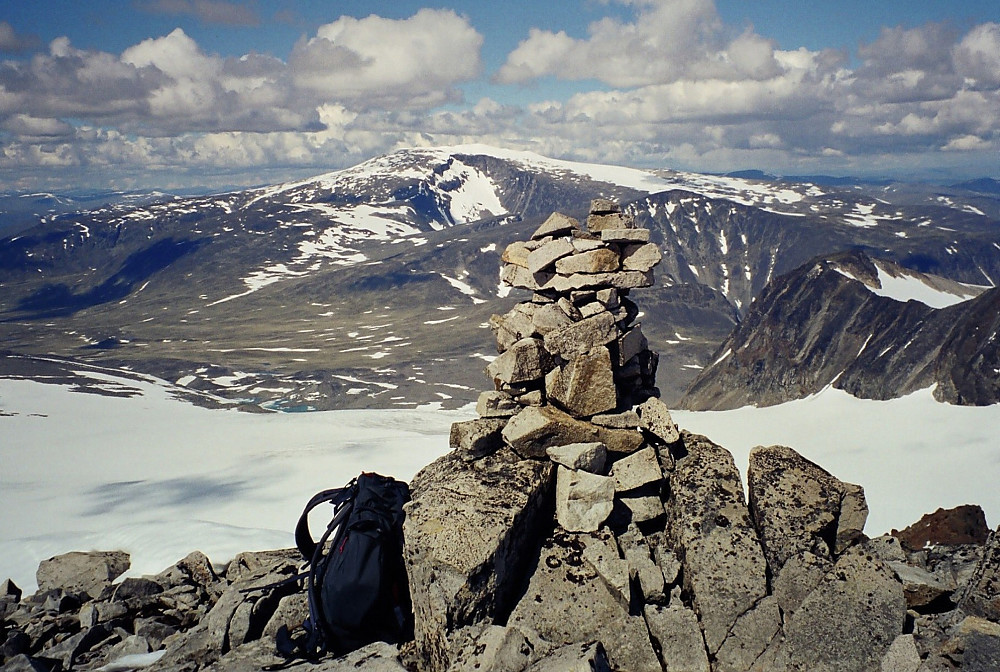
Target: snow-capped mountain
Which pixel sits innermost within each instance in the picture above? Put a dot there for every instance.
(867, 326)
(373, 285)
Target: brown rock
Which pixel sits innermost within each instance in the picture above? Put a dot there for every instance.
(536, 428)
(962, 525)
(516, 253)
(641, 257)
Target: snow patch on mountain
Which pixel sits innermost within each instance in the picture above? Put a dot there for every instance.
(902, 285)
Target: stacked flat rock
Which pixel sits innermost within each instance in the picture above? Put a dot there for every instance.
(575, 344)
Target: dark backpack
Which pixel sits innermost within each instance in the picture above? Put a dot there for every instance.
(356, 584)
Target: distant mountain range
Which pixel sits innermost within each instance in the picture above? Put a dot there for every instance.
(373, 286)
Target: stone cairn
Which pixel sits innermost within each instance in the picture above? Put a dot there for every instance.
(575, 344)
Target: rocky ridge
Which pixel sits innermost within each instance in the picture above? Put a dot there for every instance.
(573, 526)
(822, 325)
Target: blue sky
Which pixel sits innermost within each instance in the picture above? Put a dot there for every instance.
(210, 93)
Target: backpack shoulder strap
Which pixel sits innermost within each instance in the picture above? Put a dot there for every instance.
(335, 496)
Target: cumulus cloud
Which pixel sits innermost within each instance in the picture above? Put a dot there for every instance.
(169, 85)
(669, 40)
(378, 62)
(686, 86)
(676, 86)
(977, 56)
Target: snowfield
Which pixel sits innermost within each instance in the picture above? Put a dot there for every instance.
(159, 477)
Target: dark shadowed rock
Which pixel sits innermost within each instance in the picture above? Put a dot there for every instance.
(982, 596)
(921, 587)
(471, 530)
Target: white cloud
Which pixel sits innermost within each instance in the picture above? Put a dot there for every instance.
(669, 40)
(676, 87)
(977, 56)
(378, 62)
(967, 143)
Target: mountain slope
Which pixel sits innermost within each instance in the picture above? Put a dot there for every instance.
(861, 325)
(371, 286)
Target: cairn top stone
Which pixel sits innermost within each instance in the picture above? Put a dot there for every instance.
(557, 224)
(604, 206)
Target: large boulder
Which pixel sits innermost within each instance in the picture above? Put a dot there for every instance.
(710, 528)
(77, 572)
(567, 602)
(800, 507)
(848, 622)
(471, 531)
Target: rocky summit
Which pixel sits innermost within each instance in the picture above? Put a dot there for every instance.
(573, 526)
